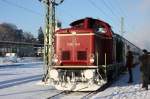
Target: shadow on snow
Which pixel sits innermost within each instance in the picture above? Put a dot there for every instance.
(14, 82)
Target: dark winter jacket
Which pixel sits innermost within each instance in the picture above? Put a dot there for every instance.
(129, 57)
(145, 64)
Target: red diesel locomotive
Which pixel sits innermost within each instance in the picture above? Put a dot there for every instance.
(88, 55)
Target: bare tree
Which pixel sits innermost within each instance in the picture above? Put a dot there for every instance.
(10, 32)
(40, 36)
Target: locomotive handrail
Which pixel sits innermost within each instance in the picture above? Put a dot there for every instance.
(106, 66)
(97, 58)
(102, 66)
(97, 66)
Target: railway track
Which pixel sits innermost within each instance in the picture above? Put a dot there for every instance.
(82, 95)
(59, 94)
(90, 94)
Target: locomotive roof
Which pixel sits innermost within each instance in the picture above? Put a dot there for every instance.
(86, 25)
(89, 18)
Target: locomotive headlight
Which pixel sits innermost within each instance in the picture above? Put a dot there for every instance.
(88, 74)
(55, 60)
(92, 58)
(53, 74)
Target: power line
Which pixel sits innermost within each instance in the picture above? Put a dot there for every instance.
(120, 8)
(107, 6)
(116, 9)
(98, 8)
(21, 7)
(121, 13)
(114, 19)
(112, 12)
(110, 8)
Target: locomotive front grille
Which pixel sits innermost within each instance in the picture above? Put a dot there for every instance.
(81, 55)
(65, 55)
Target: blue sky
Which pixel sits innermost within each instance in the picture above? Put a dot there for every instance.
(24, 19)
(29, 15)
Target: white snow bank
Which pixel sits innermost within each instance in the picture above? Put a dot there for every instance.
(14, 61)
(31, 59)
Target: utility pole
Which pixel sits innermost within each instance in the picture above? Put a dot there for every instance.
(122, 26)
(49, 35)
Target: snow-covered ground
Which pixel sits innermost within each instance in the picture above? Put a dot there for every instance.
(122, 90)
(15, 61)
(20, 82)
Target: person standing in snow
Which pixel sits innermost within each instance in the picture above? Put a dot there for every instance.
(129, 64)
(145, 69)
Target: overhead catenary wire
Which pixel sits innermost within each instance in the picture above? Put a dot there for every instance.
(97, 7)
(114, 18)
(100, 10)
(124, 13)
(116, 8)
(121, 9)
(109, 5)
(109, 8)
(112, 11)
(21, 7)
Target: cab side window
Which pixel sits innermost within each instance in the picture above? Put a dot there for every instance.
(101, 29)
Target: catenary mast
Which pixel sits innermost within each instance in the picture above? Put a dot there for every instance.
(49, 35)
